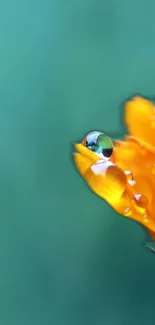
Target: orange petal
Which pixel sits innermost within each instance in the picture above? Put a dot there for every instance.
(140, 119)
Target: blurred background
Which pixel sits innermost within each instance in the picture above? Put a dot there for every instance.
(66, 258)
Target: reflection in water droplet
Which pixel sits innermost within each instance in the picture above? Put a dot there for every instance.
(127, 212)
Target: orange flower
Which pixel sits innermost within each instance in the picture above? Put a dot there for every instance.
(123, 174)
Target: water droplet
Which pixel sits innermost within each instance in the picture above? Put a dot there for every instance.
(127, 212)
(130, 178)
(132, 183)
(129, 175)
(141, 200)
(145, 219)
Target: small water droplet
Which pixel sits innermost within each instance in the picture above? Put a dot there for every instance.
(129, 175)
(132, 183)
(130, 178)
(141, 200)
(127, 212)
(145, 219)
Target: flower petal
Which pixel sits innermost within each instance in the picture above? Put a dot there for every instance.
(140, 119)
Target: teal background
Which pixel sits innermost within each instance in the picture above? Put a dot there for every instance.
(65, 67)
